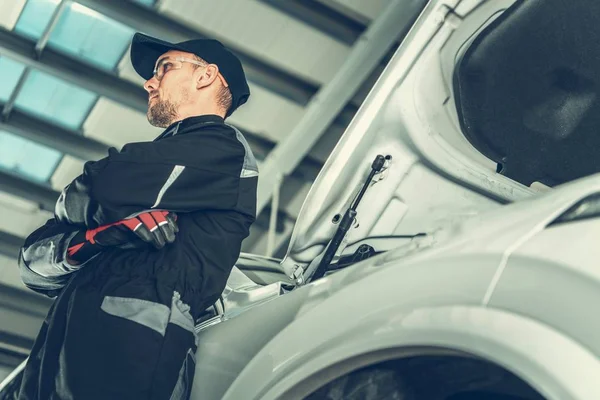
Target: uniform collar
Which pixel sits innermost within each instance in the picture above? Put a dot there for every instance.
(178, 126)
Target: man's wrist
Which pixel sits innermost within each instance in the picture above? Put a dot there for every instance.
(72, 262)
(80, 249)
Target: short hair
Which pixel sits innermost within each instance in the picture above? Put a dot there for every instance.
(224, 97)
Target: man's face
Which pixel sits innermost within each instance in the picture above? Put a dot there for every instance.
(167, 95)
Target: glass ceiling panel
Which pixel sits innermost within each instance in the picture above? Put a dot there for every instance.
(26, 158)
(10, 71)
(148, 3)
(56, 100)
(80, 32)
(92, 36)
(35, 17)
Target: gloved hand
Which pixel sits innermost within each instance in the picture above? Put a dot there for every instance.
(156, 228)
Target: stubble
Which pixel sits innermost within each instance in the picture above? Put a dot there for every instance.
(162, 113)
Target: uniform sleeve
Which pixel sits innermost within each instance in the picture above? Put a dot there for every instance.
(42, 260)
(189, 174)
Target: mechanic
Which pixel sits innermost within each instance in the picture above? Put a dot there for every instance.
(144, 240)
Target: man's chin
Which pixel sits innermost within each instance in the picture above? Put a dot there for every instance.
(157, 124)
(157, 121)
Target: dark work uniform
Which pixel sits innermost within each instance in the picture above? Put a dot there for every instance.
(122, 325)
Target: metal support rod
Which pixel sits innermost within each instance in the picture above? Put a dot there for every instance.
(366, 54)
(10, 104)
(43, 40)
(273, 217)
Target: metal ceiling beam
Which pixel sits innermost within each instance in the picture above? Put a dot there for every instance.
(21, 315)
(346, 11)
(17, 345)
(10, 244)
(365, 56)
(75, 144)
(74, 71)
(154, 23)
(321, 17)
(23, 301)
(43, 195)
(51, 135)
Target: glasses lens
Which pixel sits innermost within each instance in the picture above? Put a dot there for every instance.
(164, 66)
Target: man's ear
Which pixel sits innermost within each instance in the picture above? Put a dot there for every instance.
(206, 76)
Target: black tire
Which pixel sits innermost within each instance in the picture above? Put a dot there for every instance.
(366, 384)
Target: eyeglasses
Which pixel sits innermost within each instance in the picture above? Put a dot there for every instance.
(167, 64)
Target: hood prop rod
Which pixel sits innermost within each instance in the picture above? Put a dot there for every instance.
(346, 221)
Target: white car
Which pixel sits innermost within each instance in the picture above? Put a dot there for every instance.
(470, 268)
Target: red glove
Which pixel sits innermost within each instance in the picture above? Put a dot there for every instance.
(154, 227)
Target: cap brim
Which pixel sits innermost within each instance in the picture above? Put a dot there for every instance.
(145, 50)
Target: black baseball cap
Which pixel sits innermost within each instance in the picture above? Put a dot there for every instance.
(145, 50)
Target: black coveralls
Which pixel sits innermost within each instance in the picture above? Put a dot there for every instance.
(122, 326)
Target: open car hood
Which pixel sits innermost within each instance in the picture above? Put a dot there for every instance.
(455, 142)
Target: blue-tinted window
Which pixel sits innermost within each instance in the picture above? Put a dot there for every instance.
(35, 17)
(148, 3)
(10, 71)
(56, 100)
(27, 158)
(80, 32)
(92, 36)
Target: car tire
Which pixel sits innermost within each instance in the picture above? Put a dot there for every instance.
(366, 384)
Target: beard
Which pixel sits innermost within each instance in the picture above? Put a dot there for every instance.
(162, 113)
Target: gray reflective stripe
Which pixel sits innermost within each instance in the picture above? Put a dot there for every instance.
(173, 130)
(246, 173)
(177, 170)
(176, 128)
(183, 386)
(180, 315)
(250, 167)
(153, 315)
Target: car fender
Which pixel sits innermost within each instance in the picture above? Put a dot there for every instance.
(555, 365)
(339, 305)
(342, 300)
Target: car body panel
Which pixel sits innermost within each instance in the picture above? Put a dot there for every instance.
(555, 277)
(482, 265)
(552, 363)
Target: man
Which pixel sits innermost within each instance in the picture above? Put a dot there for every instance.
(144, 240)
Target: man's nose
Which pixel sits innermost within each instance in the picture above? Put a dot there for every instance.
(151, 84)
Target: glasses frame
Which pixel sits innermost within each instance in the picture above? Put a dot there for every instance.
(184, 59)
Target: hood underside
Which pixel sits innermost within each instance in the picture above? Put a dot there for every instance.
(480, 101)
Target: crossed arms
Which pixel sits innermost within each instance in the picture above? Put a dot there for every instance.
(127, 184)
